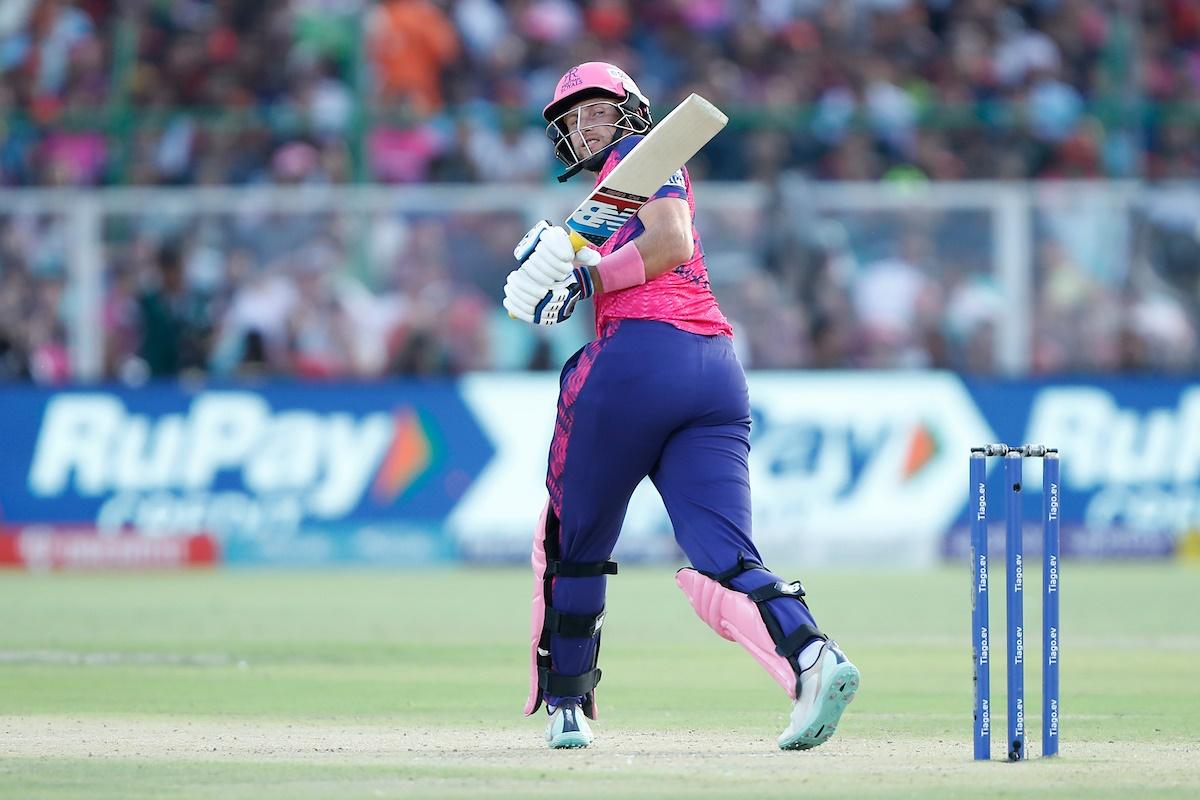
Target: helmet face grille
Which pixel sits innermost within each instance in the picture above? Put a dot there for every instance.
(631, 120)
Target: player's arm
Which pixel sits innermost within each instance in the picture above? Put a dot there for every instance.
(552, 277)
(664, 245)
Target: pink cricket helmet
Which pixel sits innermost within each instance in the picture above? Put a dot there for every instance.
(596, 78)
(603, 81)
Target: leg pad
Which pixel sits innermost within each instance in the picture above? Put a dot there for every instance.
(546, 620)
(734, 616)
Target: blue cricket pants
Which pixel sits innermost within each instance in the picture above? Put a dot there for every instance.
(648, 399)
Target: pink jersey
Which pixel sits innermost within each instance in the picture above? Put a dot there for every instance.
(682, 296)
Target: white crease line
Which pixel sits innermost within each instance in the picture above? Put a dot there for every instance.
(107, 658)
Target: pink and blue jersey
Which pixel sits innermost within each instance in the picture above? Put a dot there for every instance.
(681, 297)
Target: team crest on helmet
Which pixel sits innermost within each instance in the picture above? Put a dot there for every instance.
(571, 79)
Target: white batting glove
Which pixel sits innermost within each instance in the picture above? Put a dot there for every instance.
(545, 252)
(551, 279)
(528, 300)
(537, 304)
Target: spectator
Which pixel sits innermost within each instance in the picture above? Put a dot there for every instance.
(893, 298)
(411, 43)
(514, 154)
(254, 331)
(319, 331)
(173, 321)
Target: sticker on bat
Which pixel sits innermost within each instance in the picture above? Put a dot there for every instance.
(602, 215)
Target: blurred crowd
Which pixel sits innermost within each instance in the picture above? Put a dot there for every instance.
(211, 91)
(1114, 289)
(253, 292)
(317, 92)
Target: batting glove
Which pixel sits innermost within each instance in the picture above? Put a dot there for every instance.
(551, 278)
(545, 252)
(532, 300)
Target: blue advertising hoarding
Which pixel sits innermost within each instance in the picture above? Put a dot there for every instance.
(286, 472)
(845, 467)
(1130, 459)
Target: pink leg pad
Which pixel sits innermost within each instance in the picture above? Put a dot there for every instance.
(735, 617)
(538, 611)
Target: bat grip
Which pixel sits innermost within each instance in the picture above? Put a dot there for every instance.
(577, 241)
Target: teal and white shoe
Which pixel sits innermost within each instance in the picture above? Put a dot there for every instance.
(826, 688)
(567, 728)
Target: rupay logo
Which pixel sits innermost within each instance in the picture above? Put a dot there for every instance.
(229, 461)
(1140, 464)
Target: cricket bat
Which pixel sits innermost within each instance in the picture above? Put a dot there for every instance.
(642, 172)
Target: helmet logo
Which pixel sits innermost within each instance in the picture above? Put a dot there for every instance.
(620, 76)
(570, 80)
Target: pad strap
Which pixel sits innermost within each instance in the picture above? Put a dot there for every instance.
(775, 590)
(553, 683)
(792, 643)
(784, 645)
(580, 569)
(580, 626)
(741, 566)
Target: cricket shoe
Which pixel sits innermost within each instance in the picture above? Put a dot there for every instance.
(826, 688)
(567, 728)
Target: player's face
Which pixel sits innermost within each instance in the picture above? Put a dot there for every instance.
(591, 126)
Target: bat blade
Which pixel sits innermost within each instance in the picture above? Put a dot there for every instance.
(641, 173)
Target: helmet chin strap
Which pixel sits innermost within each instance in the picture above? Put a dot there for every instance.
(593, 163)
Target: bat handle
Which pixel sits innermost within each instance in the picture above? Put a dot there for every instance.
(577, 241)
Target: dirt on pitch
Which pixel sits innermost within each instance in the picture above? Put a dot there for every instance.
(698, 757)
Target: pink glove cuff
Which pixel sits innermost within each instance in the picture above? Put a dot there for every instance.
(622, 269)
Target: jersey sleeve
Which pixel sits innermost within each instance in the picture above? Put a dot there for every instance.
(676, 186)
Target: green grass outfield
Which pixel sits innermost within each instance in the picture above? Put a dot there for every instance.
(346, 684)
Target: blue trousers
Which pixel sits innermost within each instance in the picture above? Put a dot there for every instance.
(647, 399)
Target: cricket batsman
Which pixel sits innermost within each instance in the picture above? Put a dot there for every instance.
(658, 393)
